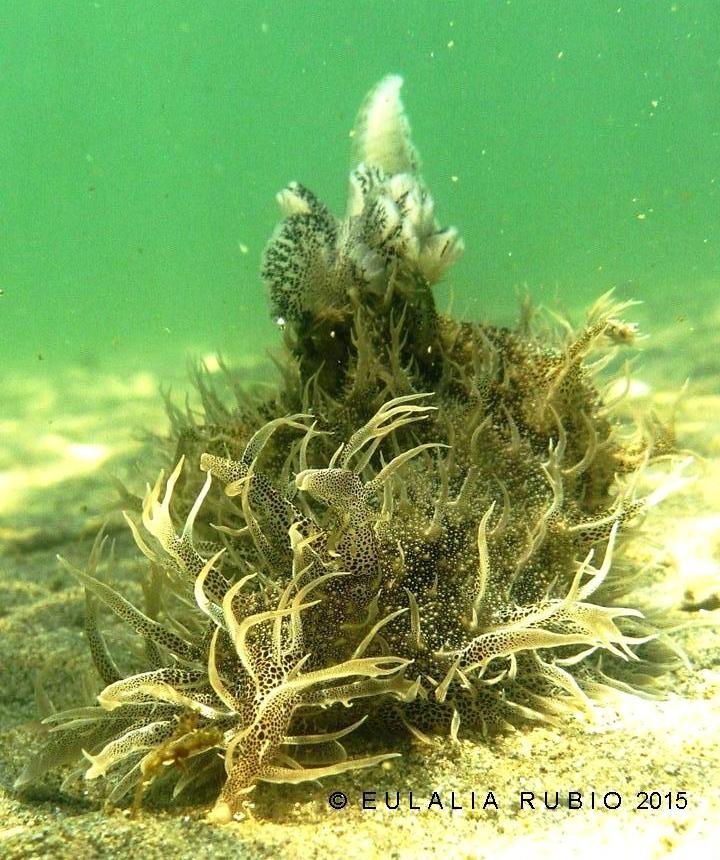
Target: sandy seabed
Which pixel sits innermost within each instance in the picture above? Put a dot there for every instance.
(66, 430)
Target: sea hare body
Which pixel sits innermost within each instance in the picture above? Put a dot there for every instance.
(419, 530)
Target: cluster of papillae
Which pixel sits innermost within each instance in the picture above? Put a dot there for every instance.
(423, 539)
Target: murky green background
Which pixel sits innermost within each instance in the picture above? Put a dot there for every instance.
(576, 145)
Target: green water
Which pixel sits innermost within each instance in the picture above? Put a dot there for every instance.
(576, 144)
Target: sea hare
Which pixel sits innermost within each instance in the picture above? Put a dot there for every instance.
(419, 531)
